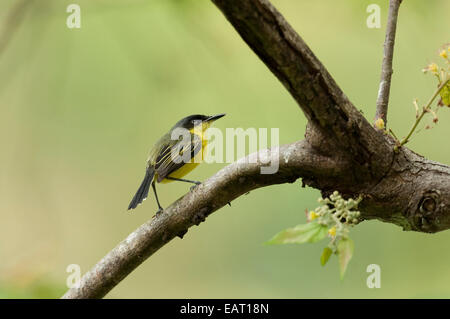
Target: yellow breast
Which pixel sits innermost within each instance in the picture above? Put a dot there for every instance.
(188, 167)
(179, 173)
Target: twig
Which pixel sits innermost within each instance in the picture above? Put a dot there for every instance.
(425, 110)
(386, 68)
(393, 134)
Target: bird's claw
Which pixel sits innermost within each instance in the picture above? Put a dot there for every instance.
(194, 186)
(159, 211)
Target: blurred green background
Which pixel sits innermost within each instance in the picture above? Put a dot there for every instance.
(80, 108)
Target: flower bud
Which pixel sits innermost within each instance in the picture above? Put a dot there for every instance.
(312, 215)
(379, 124)
(332, 231)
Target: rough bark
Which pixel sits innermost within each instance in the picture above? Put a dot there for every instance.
(341, 151)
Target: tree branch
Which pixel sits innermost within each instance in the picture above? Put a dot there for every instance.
(386, 68)
(297, 159)
(328, 110)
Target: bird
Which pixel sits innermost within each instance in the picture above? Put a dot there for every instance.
(174, 155)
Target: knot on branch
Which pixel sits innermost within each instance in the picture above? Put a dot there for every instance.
(182, 233)
(426, 217)
(200, 216)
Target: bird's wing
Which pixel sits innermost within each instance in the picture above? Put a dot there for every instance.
(169, 161)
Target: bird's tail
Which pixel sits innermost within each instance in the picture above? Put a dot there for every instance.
(142, 191)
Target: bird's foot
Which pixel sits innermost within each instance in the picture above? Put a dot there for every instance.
(159, 211)
(194, 186)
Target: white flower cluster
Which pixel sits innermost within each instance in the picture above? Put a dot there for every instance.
(337, 213)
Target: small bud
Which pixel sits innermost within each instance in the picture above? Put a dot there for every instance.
(444, 54)
(435, 118)
(312, 215)
(379, 124)
(416, 106)
(332, 231)
(433, 68)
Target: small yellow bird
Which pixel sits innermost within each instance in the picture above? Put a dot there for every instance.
(170, 159)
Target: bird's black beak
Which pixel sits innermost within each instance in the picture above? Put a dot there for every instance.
(215, 117)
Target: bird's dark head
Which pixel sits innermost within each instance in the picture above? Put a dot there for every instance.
(189, 122)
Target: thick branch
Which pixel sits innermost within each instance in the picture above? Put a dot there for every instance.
(386, 68)
(296, 160)
(329, 111)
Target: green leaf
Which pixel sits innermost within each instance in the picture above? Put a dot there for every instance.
(325, 255)
(304, 233)
(445, 94)
(345, 252)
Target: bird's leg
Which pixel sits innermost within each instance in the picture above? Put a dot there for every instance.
(188, 181)
(185, 180)
(160, 209)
